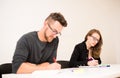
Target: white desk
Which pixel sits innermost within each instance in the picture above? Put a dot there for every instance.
(83, 72)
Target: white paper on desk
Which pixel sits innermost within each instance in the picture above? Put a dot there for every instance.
(45, 73)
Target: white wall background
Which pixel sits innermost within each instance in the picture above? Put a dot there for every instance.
(18, 17)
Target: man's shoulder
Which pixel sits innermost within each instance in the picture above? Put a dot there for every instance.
(29, 35)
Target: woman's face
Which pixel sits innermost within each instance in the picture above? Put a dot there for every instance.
(94, 39)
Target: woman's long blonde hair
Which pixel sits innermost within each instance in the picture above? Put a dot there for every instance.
(96, 50)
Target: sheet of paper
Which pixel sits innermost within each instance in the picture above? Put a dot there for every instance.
(45, 73)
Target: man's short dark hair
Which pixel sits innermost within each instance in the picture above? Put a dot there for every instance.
(58, 17)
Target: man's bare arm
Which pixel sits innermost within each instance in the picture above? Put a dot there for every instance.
(29, 67)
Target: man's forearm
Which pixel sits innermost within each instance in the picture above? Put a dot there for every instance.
(29, 67)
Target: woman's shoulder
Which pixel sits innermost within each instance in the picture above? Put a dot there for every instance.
(80, 44)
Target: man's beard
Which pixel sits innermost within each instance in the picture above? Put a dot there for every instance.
(47, 38)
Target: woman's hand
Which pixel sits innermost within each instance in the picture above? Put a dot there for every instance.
(92, 62)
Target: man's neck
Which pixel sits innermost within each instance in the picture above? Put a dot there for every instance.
(41, 36)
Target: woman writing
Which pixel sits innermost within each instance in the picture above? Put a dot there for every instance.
(88, 52)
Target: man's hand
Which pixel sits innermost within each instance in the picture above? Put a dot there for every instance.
(54, 66)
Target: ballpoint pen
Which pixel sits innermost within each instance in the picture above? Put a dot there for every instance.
(90, 59)
(54, 59)
(104, 65)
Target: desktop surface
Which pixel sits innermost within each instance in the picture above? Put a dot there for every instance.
(103, 71)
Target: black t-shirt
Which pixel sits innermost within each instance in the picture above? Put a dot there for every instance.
(30, 49)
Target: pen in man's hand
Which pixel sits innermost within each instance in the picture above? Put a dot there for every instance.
(54, 59)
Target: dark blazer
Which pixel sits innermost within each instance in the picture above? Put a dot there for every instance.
(80, 56)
